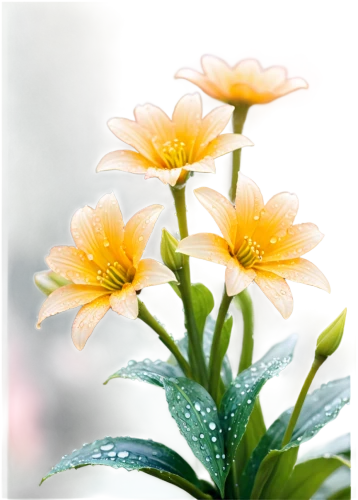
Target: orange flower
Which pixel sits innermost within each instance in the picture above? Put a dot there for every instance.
(106, 267)
(247, 82)
(170, 148)
(260, 243)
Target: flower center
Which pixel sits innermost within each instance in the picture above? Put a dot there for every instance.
(114, 277)
(173, 154)
(249, 252)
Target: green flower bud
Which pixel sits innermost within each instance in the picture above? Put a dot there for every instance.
(330, 339)
(168, 246)
(48, 281)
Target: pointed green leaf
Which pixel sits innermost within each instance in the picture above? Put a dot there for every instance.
(340, 446)
(320, 408)
(194, 411)
(308, 476)
(148, 371)
(337, 486)
(238, 401)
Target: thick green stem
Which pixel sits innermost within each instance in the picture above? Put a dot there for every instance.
(196, 353)
(216, 357)
(245, 303)
(318, 361)
(164, 336)
(238, 120)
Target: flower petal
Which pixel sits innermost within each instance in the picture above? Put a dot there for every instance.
(126, 161)
(157, 122)
(202, 81)
(151, 272)
(166, 175)
(133, 134)
(276, 217)
(187, 118)
(226, 143)
(68, 297)
(87, 319)
(221, 210)
(206, 165)
(73, 264)
(212, 126)
(237, 278)
(299, 270)
(300, 239)
(248, 205)
(125, 302)
(138, 230)
(206, 246)
(291, 85)
(276, 290)
(247, 71)
(217, 71)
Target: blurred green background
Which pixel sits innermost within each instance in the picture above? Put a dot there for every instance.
(57, 93)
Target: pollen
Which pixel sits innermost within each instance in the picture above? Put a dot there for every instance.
(249, 253)
(113, 278)
(173, 154)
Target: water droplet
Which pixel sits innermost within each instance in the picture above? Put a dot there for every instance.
(107, 447)
(112, 454)
(213, 439)
(187, 415)
(122, 454)
(96, 455)
(249, 401)
(201, 436)
(212, 426)
(197, 406)
(140, 238)
(273, 240)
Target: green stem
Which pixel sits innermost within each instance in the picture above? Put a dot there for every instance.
(164, 336)
(216, 357)
(318, 361)
(238, 120)
(196, 352)
(245, 303)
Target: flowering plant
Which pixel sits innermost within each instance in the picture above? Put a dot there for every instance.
(217, 411)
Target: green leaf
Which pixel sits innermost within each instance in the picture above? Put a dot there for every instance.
(337, 486)
(133, 454)
(238, 401)
(194, 411)
(340, 446)
(225, 336)
(320, 407)
(308, 476)
(148, 371)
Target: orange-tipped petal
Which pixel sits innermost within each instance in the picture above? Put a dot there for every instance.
(126, 161)
(155, 121)
(237, 278)
(226, 143)
(187, 118)
(138, 230)
(299, 270)
(68, 297)
(300, 239)
(87, 319)
(248, 205)
(133, 134)
(206, 165)
(206, 246)
(202, 81)
(276, 290)
(167, 176)
(276, 217)
(150, 272)
(73, 264)
(221, 210)
(212, 126)
(125, 302)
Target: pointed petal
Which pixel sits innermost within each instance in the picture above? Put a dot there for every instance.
(166, 175)
(276, 217)
(300, 239)
(202, 81)
(125, 302)
(237, 278)
(73, 264)
(150, 272)
(221, 210)
(249, 203)
(206, 165)
(291, 85)
(187, 118)
(68, 297)
(87, 319)
(111, 216)
(155, 121)
(218, 72)
(226, 143)
(126, 161)
(88, 233)
(138, 230)
(276, 290)
(206, 246)
(133, 134)
(299, 270)
(212, 126)
(247, 71)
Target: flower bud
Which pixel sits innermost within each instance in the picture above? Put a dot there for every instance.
(48, 281)
(330, 339)
(168, 247)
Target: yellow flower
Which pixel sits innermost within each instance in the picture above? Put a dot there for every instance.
(105, 266)
(247, 82)
(170, 148)
(260, 243)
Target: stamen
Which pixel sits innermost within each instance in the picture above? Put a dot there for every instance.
(249, 253)
(173, 153)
